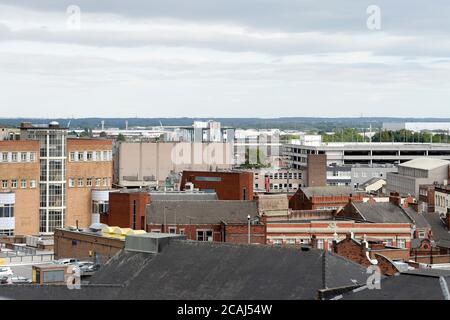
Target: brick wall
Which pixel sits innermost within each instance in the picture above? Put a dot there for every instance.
(121, 208)
(230, 187)
(70, 244)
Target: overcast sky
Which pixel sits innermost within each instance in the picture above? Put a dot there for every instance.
(227, 58)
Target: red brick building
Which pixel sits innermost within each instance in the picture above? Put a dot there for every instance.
(127, 209)
(326, 198)
(229, 185)
(207, 220)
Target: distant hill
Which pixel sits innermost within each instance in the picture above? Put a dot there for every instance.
(285, 123)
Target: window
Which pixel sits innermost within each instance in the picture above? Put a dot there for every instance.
(71, 182)
(6, 232)
(173, 230)
(14, 157)
(80, 156)
(7, 211)
(421, 234)
(105, 182)
(4, 184)
(210, 179)
(98, 156)
(182, 231)
(32, 156)
(80, 182)
(98, 181)
(32, 184)
(72, 156)
(89, 182)
(401, 243)
(277, 241)
(4, 157)
(89, 156)
(204, 235)
(23, 157)
(319, 243)
(244, 193)
(23, 183)
(105, 155)
(290, 241)
(14, 183)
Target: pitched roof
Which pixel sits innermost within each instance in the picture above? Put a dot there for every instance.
(382, 212)
(207, 270)
(418, 218)
(425, 163)
(327, 191)
(441, 234)
(419, 284)
(201, 211)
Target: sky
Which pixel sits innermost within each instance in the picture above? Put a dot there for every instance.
(227, 58)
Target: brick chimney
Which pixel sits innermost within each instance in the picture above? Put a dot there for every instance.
(408, 201)
(395, 198)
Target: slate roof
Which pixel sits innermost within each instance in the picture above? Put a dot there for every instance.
(201, 212)
(441, 234)
(382, 212)
(370, 182)
(161, 196)
(419, 219)
(418, 284)
(208, 270)
(327, 191)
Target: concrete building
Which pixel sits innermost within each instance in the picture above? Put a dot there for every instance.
(278, 180)
(351, 163)
(142, 164)
(417, 126)
(416, 172)
(52, 178)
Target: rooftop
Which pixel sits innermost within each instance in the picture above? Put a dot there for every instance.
(382, 212)
(425, 163)
(441, 234)
(327, 191)
(207, 270)
(200, 211)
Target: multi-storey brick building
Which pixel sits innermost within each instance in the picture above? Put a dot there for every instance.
(19, 189)
(50, 179)
(326, 198)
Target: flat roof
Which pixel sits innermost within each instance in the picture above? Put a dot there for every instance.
(425, 163)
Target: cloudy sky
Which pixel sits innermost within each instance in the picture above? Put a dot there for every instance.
(224, 58)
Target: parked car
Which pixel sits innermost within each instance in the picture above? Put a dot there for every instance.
(67, 261)
(6, 272)
(87, 266)
(14, 280)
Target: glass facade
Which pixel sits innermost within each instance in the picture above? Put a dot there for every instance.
(53, 153)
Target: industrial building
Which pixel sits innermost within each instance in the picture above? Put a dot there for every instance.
(47, 179)
(417, 172)
(353, 163)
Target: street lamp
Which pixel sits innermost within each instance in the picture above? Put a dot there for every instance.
(248, 219)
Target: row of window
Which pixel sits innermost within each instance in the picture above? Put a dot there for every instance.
(283, 175)
(12, 157)
(7, 211)
(401, 243)
(441, 201)
(14, 184)
(6, 232)
(201, 235)
(90, 156)
(89, 182)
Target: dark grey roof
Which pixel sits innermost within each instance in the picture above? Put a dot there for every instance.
(382, 212)
(206, 270)
(411, 285)
(418, 218)
(161, 196)
(441, 234)
(327, 191)
(201, 212)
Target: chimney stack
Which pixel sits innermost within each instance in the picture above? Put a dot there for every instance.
(395, 198)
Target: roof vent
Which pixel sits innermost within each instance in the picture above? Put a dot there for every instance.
(150, 242)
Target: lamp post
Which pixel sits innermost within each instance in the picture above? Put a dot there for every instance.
(248, 219)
